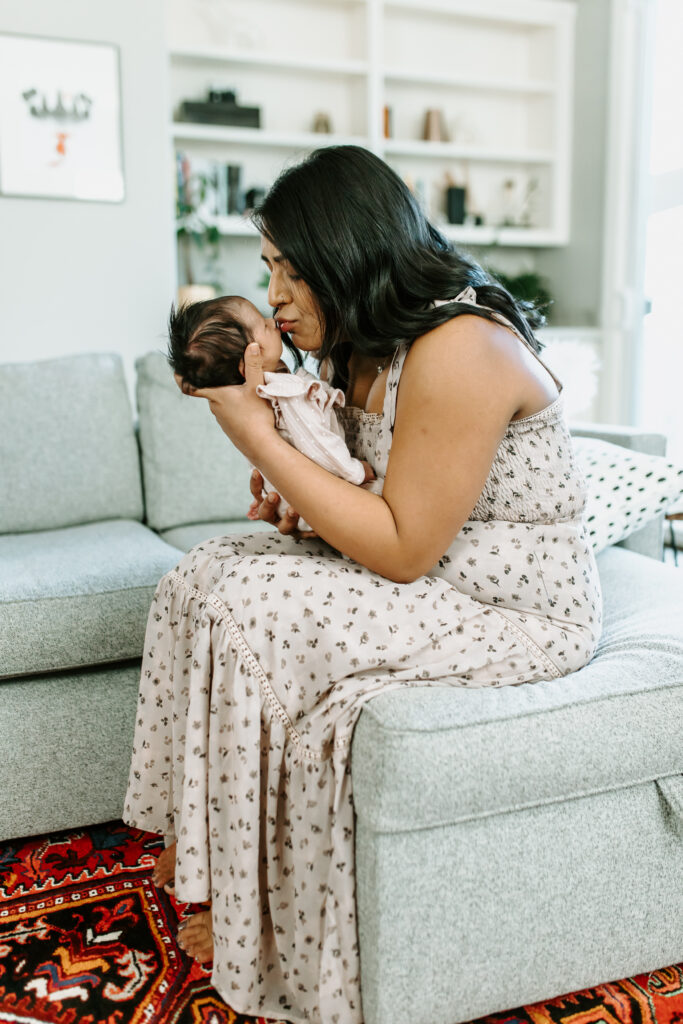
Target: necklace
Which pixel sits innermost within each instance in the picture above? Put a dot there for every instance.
(379, 369)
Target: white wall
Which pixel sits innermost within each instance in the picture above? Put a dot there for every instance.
(83, 276)
(77, 276)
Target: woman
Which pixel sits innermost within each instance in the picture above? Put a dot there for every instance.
(470, 569)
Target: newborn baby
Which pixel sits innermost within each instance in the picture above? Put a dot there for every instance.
(206, 350)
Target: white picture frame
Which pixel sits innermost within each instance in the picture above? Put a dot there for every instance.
(60, 119)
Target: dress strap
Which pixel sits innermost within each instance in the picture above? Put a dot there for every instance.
(469, 296)
(393, 377)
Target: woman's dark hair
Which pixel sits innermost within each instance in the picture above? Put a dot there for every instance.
(355, 234)
(206, 341)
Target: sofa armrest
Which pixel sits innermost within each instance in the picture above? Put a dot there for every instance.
(650, 539)
(628, 437)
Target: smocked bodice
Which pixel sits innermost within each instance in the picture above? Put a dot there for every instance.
(533, 478)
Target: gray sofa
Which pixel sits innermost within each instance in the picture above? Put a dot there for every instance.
(512, 845)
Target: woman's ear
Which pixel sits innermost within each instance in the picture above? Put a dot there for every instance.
(241, 366)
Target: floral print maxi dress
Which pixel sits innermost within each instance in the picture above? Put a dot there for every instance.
(260, 652)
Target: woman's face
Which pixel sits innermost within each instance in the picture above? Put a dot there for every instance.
(294, 302)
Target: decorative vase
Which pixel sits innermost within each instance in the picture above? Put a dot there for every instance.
(455, 204)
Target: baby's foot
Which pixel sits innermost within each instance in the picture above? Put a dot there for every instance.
(164, 869)
(195, 936)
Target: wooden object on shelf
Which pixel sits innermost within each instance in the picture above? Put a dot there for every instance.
(434, 128)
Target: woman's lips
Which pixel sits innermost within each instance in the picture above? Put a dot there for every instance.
(286, 325)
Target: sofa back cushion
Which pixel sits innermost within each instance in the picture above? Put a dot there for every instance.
(68, 452)
(192, 473)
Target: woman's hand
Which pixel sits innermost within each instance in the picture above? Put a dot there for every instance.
(246, 419)
(265, 507)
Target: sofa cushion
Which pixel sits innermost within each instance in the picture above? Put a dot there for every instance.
(625, 489)
(68, 452)
(192, 472)
(77, 596)
(431, 756)
(185, 537)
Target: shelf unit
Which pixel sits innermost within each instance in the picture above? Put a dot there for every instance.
(501, 75)
(258, 138)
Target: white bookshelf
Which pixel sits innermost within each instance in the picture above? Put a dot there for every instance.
(462, 151)
(455, 81)
(299, 65)
(257, 137)
(501, 73)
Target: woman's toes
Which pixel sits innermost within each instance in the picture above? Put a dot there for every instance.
(195, 936)
(164, 869)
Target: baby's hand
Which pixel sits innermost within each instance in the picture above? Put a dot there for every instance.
(265, 507)
(369, 472)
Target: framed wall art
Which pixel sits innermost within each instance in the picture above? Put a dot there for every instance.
(60, 119)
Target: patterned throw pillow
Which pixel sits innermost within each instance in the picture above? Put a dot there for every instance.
(626, 489)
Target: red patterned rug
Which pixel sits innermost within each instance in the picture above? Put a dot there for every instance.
(85, 936)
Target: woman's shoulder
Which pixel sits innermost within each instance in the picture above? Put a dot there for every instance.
(468, 348)
(467, 329)
(473, 360)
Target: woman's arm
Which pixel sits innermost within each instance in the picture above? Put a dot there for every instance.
(461, 385)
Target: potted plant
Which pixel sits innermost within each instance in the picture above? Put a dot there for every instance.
(195, 230)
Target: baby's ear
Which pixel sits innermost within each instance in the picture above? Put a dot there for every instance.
(241, 367)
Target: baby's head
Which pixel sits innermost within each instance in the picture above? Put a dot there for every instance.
(207, 341)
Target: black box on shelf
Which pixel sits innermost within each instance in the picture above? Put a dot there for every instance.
(212, 112)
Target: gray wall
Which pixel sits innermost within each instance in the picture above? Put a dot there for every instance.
(77, 276)
(575, 272)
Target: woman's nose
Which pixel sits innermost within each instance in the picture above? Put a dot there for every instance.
(276, 292)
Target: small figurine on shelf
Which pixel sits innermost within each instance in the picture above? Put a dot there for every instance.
(322, 123)
(218, 95)
(463, 130)
(518, 202)
(509, 203)
(527, 213)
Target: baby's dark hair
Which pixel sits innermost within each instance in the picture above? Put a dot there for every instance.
(206, 341)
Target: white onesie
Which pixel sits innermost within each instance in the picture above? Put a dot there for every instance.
(306, 417)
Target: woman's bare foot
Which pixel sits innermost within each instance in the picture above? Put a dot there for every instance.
(195, 936)
(164, 869)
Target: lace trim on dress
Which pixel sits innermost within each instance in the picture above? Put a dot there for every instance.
(355, 412)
